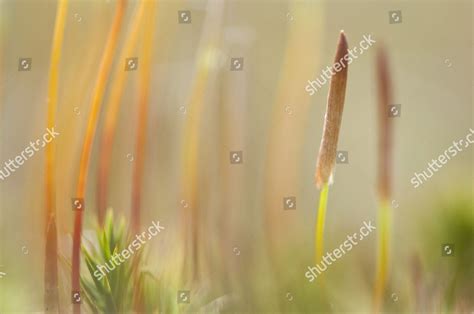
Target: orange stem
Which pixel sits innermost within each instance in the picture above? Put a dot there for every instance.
(51, 298)
(112, 110)
(142, 119)
(104, 71)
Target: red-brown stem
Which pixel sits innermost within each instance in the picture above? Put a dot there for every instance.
(102, 180)
(112, 111)
(51, 300)
(385, 126)
(384, 176)
(103, 74)
(333, 118)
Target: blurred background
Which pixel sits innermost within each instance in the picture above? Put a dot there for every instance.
(251, 252)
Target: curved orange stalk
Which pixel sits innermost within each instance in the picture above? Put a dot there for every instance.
(143, 95)
(112, 109)
(142, 117)
(104, 71)
(51, 299)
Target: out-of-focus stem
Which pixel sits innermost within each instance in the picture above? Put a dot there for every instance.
(206, 59)
(383, 247)
(143, 95)
(112, 110)
(384, 89)
(104, 71)
(145, 70)
(289, 118)
(51, 298)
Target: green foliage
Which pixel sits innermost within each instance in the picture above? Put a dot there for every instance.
(453, 223)
(124, 287)
(458, 228)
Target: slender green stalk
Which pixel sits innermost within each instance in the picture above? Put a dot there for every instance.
(319, 233)
(383, 251)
